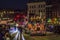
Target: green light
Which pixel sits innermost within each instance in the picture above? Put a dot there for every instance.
(49, 20)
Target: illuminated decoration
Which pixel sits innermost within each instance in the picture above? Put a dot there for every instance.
(59, 22)
(44, 17)
(1, 15)
(49, 20)
(37, 17)
(3, 22)
(10, 12)
(15, 19)
(24, 16)
(17, 25)
(31, 18)
(42, 20)
(34, 17)
(18, 15)
(29, 26)
(55, 20)
(40, 14)
(4, 11)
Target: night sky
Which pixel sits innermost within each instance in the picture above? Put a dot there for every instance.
(15, 4)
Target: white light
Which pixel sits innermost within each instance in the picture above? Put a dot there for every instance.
(23, 37)
(17, 36)
(17, 25)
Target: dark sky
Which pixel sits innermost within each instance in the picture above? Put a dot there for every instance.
(20, 4)
(16, 4)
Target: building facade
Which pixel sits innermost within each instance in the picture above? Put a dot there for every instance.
(49, 11)
(56, 8)
(37, 9)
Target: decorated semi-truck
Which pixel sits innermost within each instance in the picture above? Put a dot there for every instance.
(36, 27)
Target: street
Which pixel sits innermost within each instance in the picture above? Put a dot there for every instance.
(16, 34)
(47, 37)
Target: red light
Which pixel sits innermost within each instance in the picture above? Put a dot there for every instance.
(18, 15)
(15, 19)
(24, 16)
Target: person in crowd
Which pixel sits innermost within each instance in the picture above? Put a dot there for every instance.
(1, 35)
(7, 36)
